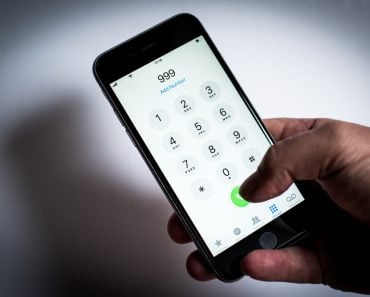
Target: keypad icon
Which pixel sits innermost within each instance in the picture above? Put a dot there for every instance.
(273, 208)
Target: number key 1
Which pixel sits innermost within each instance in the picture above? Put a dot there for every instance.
(159, 119)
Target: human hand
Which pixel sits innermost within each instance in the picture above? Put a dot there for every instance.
(335, 154)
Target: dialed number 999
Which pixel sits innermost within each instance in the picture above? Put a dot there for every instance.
(166, 75)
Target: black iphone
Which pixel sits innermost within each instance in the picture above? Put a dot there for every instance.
(201, 137)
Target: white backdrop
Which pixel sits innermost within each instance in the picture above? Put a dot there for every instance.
(79, 210)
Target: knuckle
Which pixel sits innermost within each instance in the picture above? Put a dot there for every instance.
(339, 134)
(336, 131)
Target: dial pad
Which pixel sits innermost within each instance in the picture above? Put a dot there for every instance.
(197, 141)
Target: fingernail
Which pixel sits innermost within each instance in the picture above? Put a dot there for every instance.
(249, 186)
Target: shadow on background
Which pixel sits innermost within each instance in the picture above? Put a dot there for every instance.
(102, 238)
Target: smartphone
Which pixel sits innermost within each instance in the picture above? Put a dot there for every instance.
(201, 138)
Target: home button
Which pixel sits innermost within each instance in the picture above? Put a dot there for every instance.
(268, 240)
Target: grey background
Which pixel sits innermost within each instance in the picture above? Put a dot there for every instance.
(80, 214)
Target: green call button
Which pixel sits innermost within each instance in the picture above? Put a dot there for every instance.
(237, 199)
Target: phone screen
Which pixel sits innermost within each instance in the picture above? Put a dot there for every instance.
(205, 140)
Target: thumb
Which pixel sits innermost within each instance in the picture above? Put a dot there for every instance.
(308, 155)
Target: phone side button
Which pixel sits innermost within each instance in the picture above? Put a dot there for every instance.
(268, 240)
(129, 136)
(118, 117)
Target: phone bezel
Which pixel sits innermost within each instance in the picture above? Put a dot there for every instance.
(146, 47)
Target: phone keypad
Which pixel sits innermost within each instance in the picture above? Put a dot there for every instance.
(224, 121)
(199, 127)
